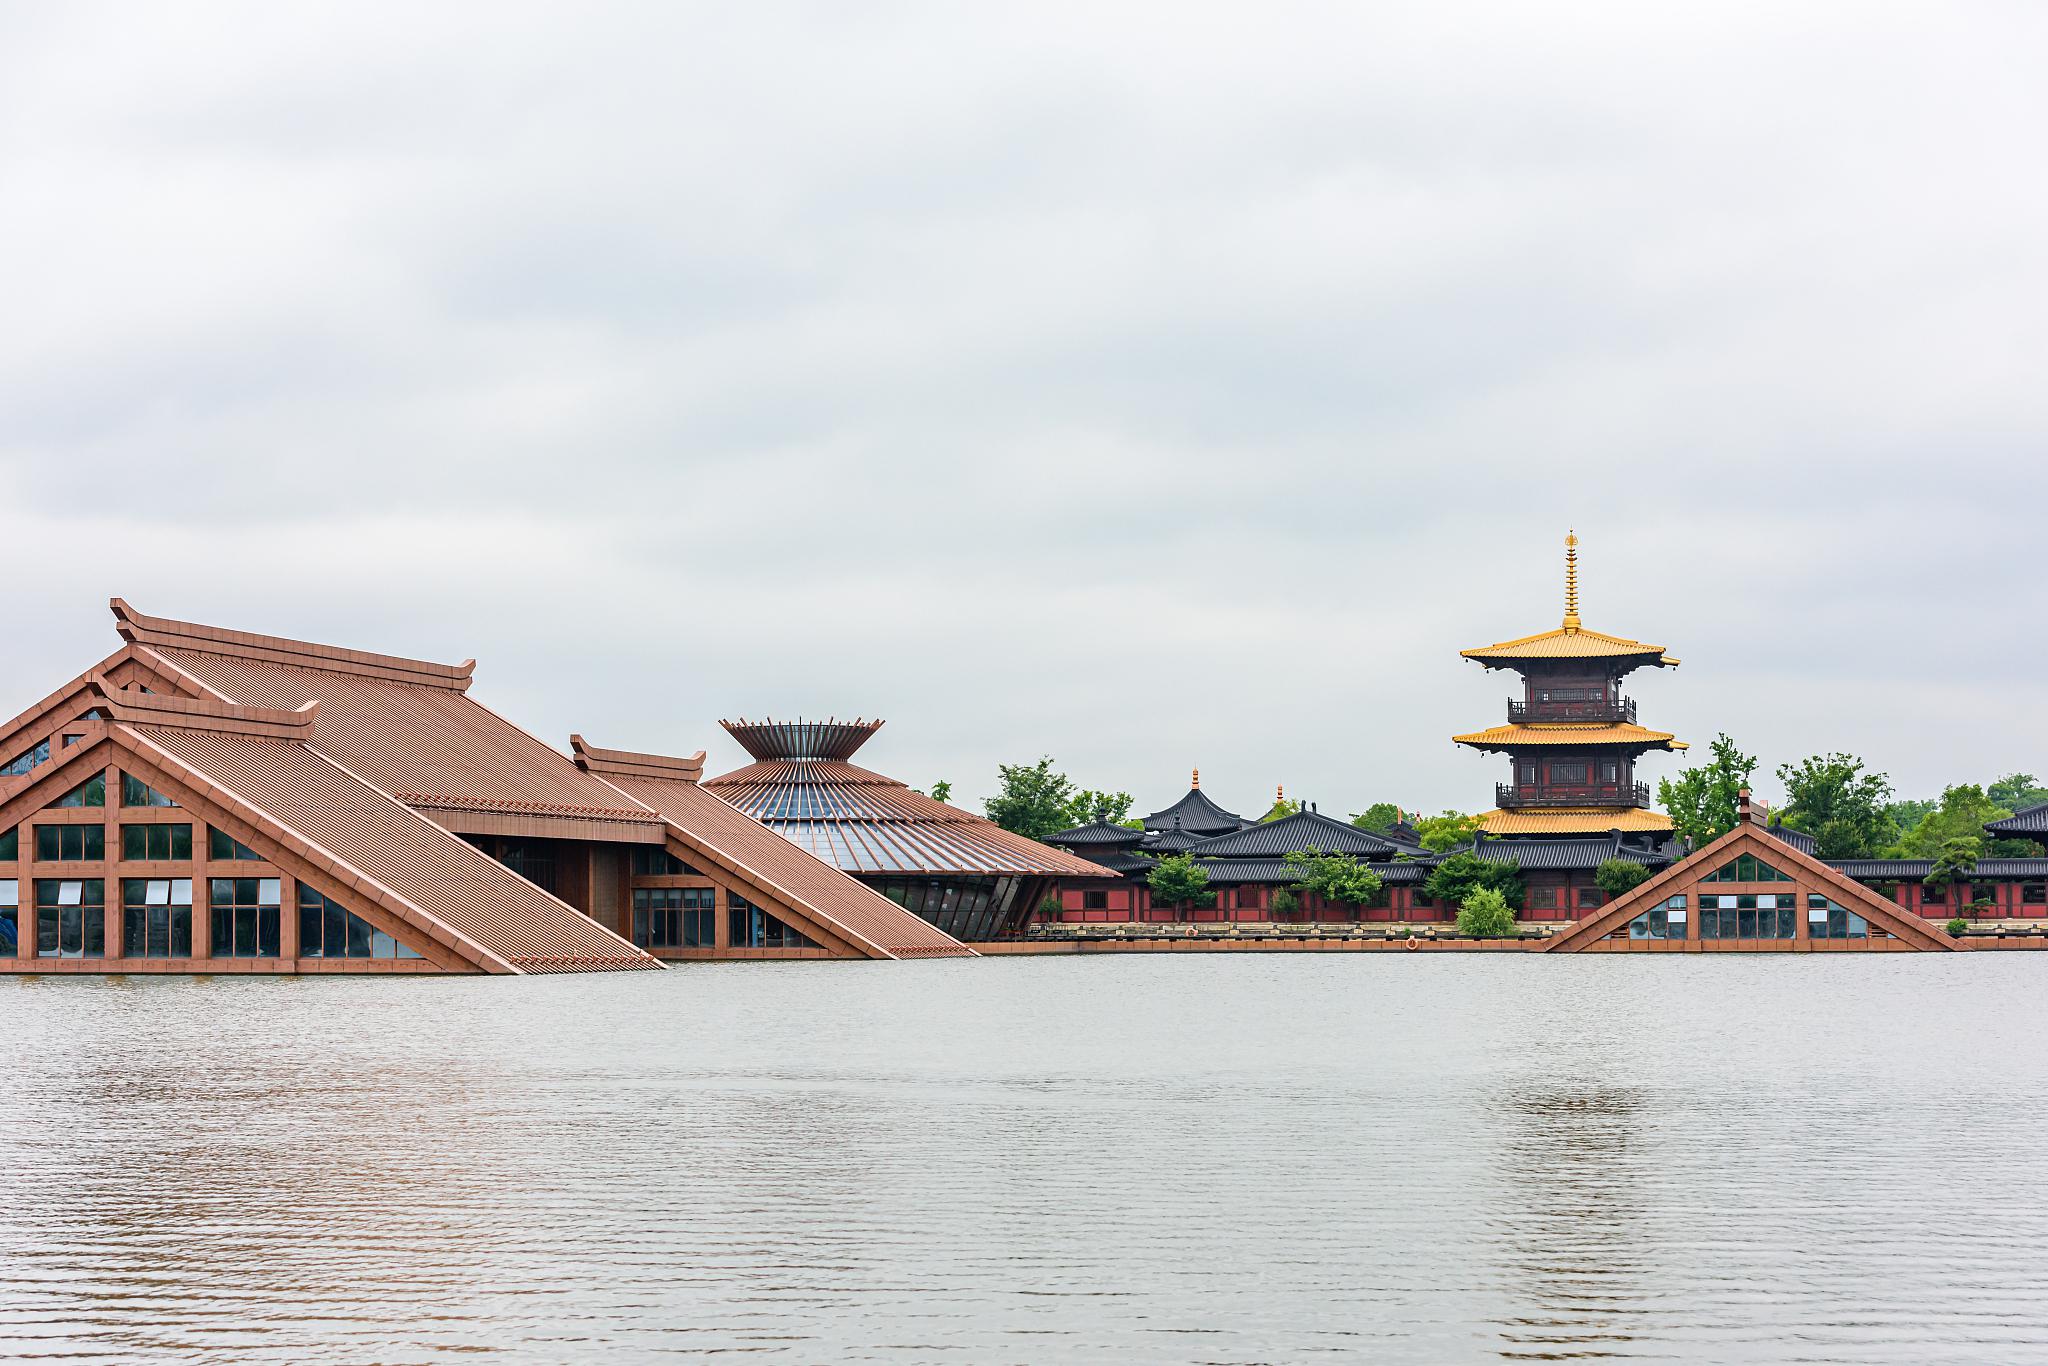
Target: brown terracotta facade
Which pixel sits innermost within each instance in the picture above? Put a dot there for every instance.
(206, 800)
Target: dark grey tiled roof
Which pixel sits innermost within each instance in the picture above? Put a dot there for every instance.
(1097, 834)
(1565, 854)
(2032, 821)
(1196, 813)
(1302, 830)
(1121, 861)
(1174, 841)
(1232, 871)
(1798, 839)
(1913, 869)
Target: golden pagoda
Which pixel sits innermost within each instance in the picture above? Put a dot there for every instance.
(1572, 738)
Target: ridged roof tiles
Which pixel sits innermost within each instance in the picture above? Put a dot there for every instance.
(1293, 834)
(1547, 733)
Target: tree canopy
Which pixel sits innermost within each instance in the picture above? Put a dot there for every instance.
(1455, 878)
(1378, 816)
(1845, 809)
(1178, 880)
(1960, 814)
(1444, 832)
(1038, 801)
(1618, 876)
(1281, 807)
(1702, 801)
(1336, 877)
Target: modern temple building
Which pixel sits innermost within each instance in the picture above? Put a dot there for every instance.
(966, 875)
(218, 801)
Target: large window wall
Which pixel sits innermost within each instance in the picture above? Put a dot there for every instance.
(968, 908)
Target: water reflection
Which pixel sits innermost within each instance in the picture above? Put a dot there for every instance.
(1145, 1159)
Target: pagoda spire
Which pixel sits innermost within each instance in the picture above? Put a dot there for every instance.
(1195, 778)
(1571, 580)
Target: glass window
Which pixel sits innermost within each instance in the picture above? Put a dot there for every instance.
(10, 845)
(246, 914)
(1609, 772)
(1590, 896)
(135, 792)
(2031, 893)
(1099, 900)
(10, 911)
(674, 917)
(1747, 868)
(22, 763)
(225, 848)
(1748, 916)
(91, 792)
(753, 928)
(1827, 920)
(329, 930)
(160, 842)
(1572, 775)
(156, 917)
(1984, 891)
(652, 862)
(71, 918)
(1933, 894)
(71, 843)
(1660, 922)
(1543, 898)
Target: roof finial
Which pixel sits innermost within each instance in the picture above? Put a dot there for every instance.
(1571, 581)
(1195, 779)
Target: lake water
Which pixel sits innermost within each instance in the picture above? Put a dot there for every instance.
(1214, 1158)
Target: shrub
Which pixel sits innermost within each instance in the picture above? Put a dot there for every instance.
(1336, 877)
(1285, 902)
(1179, 881)
(1619, 877)
(1484, 914)
(1956, 927)
(1049, 909)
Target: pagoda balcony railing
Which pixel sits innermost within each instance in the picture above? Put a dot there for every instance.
(1619, 711)
(1509, 797)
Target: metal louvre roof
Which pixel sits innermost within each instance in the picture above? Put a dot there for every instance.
(1290, 834)
(865, 823)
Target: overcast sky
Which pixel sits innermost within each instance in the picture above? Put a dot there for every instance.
(1146, 385)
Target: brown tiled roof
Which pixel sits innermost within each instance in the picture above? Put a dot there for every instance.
(716, 833)
(253, 763)
(866, 823)
(406, 726)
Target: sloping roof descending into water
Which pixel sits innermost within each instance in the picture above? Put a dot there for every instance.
(802, 788)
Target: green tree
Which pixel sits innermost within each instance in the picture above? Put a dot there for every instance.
(1033, 800)
(1457, 876)
(1088, 805)
(1442, 833)
(1955, 862)
(1281, 808)
(1831, 798)
(1378, 816)
(1177, 880)
(1702, 801)
(942, 791)
(1285, 903)
(1484, 914)
(2016, 792)
(1906, 814)
(1960, 814)
(1619, 877)
(1336, 877)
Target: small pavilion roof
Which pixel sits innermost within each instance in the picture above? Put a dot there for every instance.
(1565, 854)
(1569, 733)
(1174, 841)
(1291, 834)
(1195, 813)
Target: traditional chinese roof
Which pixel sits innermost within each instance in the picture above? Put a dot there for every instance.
(1122, 861)
(1278, 871)
(1571, 640)
(1573, 820)
(1174, 841)
(1098, 835)
(1914, 869)
(1292, 834)
(1565, 854)
(1195, 813)
(2030, 823)
(1798, 839)
(1573, 734)
(863, 822)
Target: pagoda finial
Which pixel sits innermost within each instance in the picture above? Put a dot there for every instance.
(1571, 580)
(1195, 778)
(1279, 794)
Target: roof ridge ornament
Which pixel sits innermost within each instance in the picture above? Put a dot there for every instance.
(1195, 779)
(1571, 580)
